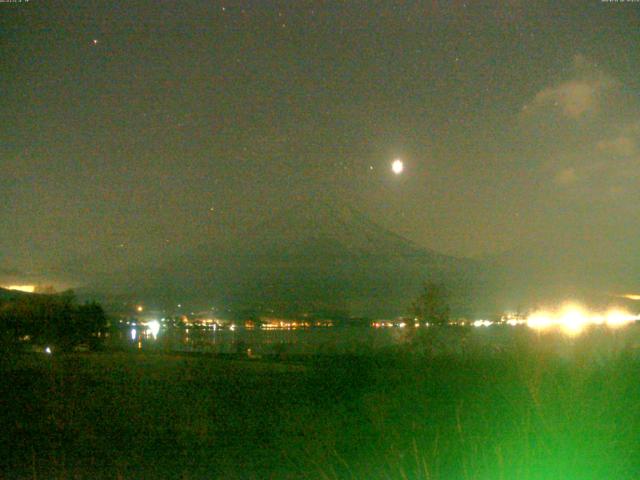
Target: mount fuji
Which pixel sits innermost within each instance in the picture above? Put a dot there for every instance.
(311, 256)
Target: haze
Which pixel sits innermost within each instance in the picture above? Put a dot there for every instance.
(133, 132)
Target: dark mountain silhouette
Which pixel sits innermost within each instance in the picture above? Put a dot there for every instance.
(319, 256)
(6, 294)
(310, 256)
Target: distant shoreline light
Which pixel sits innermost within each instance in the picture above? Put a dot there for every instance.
(630, 296)
(21, 288)
(572, 319)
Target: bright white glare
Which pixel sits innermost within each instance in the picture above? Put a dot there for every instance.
(153, 327)
(232, 327)
(572, 319)
(397, 166)
(482, 323)
(47, 350)
(619, 318)
(134, 334)
(539, 321)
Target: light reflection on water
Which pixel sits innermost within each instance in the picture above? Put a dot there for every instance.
(360, 339)
(298, 341)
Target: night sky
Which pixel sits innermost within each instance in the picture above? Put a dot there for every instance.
(131, 128)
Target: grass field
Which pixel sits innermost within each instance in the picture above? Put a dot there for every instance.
(521, 413)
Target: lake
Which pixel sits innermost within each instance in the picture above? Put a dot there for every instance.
(363, 339)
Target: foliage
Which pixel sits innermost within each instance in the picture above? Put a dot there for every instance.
(53, 320)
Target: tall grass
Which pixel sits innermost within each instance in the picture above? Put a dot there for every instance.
(542, 407)
(538, 407)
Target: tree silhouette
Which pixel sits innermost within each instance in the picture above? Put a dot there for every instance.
(55, 320)
(432, 305)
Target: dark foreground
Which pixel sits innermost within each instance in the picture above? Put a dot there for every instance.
(521, 413)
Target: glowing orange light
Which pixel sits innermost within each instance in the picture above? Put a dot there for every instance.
(21, 288)
(630, 296)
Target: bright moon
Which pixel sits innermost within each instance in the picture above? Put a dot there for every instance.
(397, 166)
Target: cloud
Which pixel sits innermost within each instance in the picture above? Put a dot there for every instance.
(574, 97)
(590, 128)
(625, 144)
(610, 166)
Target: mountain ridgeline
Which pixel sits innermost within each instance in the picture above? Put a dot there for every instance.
(310, 257)
(6, 295)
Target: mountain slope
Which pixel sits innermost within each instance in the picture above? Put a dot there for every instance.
(312, 255)
(6, 294)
